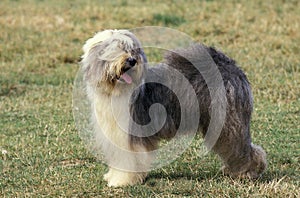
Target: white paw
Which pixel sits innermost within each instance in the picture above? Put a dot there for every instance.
(117, 178)
(107, 176)
(116, 182)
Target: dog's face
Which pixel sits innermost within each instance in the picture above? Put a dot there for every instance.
(113, 57)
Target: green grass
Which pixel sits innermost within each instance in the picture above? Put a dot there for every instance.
(167, 19)
(40, 45)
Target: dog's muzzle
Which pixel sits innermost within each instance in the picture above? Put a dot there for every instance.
(130, 62)
(125, 77)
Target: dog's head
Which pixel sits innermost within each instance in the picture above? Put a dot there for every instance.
(113, 57)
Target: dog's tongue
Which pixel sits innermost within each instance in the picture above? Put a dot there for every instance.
(126, 78)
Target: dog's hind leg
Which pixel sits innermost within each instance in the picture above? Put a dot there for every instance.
(241, 158)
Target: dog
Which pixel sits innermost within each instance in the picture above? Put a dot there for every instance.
(122, 88)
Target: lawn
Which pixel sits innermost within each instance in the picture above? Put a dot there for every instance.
(41, 153)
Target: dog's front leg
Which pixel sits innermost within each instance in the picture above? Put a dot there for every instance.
(138, 163)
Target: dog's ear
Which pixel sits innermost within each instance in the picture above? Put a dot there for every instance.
(91, 62)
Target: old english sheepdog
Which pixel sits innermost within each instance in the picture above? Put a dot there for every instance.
(123, 90)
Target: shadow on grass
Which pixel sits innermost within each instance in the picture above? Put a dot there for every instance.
(216, 174)
(267, 177)
(198, 176)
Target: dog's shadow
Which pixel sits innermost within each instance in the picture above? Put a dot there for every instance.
(197, 176)
(153, 177)
(217, 175)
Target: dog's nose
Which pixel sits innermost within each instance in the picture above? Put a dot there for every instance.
(131, 61)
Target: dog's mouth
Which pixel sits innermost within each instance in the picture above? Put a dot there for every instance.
(125, 73)
(125, 78)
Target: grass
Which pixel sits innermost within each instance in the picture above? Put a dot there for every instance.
(40, 45)
(167, 19)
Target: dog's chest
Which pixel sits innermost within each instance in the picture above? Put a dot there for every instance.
(112, 117)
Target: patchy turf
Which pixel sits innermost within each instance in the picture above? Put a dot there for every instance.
(40, 45)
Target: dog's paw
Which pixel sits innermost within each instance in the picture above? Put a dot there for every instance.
(118, 182)
(117, 178)
(107, 176)
(245, 174)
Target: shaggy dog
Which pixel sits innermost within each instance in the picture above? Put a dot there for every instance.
(129, 125)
